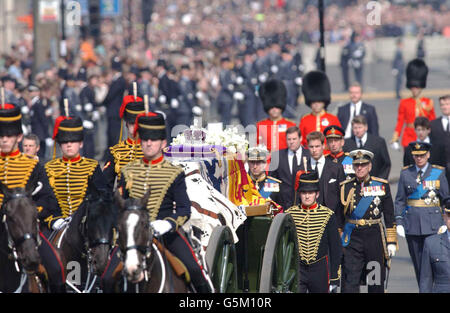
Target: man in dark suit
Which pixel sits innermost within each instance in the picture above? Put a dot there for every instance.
(331, 174)
(285, 164)
(361, 139)
(113, 101)
(440, 131)
(40, 121)
(398, 68)
(437, 152)
(357, 107)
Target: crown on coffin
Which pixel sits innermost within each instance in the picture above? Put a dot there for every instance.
(194, 136)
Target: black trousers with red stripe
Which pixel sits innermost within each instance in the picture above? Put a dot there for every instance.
(314, 278)
(52, 263)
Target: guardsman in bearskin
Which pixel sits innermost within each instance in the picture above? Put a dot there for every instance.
(72, 176)
(435, 266)
(317, 91)
(410, 108)
(268, 186)
(126, 150)
(366, 246)
(421, 188)
(319, 244)
(271, 132)
(16, 170)
(335, 143)
(169, 205)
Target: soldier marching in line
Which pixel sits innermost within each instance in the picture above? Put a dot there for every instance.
(319, 244)
(366, 199)
(421, 188)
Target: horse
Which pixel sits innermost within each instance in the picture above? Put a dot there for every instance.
(21, 269)
(145, 265)
(87, 240)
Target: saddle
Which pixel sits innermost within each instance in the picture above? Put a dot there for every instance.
(178, 266)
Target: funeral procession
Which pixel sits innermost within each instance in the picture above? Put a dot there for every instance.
(224, 147)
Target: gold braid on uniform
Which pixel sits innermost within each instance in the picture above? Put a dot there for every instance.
(139, 177)
(124, 153)
(310, 225)
(69, 182)
(391, 235)
(15, 171)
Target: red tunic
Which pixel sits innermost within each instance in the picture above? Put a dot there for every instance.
(310, 123)
(273, 133)
(408, 110)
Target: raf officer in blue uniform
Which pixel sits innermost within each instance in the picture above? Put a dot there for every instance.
(268, 187)
(435, 265)
(421, 188)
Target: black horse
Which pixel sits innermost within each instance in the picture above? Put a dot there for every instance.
(21, 269)
(145, 267)
(85, 243)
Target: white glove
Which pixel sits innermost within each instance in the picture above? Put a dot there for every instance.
(238, 96)
(298, 81)
(392, 249)
(25, 110)
(161, 227)
(88, 107)
(88, 124)
(442, 229)
(162, 99)
(197, 110)
(174, 104)
(79, 107)
(395, 145)
(59, 223)
(102, 109)
(49, 142)
(95, 116)
(400, 231)
(332, 289)
(239, 80)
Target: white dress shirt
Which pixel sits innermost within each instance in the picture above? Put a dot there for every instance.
(445, 121)
(355, 109)
(363, 140)
(318, 165)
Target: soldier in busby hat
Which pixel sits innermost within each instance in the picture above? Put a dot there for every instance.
(20, 170)
(72, 177)
(173, 209)
(414, 106)
(126, 150)
(316, 227)
(316, 89)
(421, 188)
(271, 132)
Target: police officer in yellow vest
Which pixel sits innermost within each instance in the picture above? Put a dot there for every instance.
(16, 170)
(366, 247)
(126, 150)
(72, 175)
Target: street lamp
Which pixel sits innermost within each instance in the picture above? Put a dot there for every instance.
(322, 37)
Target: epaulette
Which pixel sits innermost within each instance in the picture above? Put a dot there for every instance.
(380, 179)
(438, 167)
(347, 181)
(327, 153)
(275, 179)
(407, 166)
(347, 153)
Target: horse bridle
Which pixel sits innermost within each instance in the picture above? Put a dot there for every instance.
(13, 244)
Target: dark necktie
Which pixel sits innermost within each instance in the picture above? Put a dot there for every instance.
(419, 176)
(359, 142)
(294, 165)
(447, 129)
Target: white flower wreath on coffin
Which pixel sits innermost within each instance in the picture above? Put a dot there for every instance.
(210, 207)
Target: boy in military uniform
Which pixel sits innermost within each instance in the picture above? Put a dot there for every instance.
(421, 188)
(126, 150)
(268, 186)
(335, 143)
(319, 244)
(16, 170)
(366, 199)
(169, 205)
(72, 176)
(435, 265)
